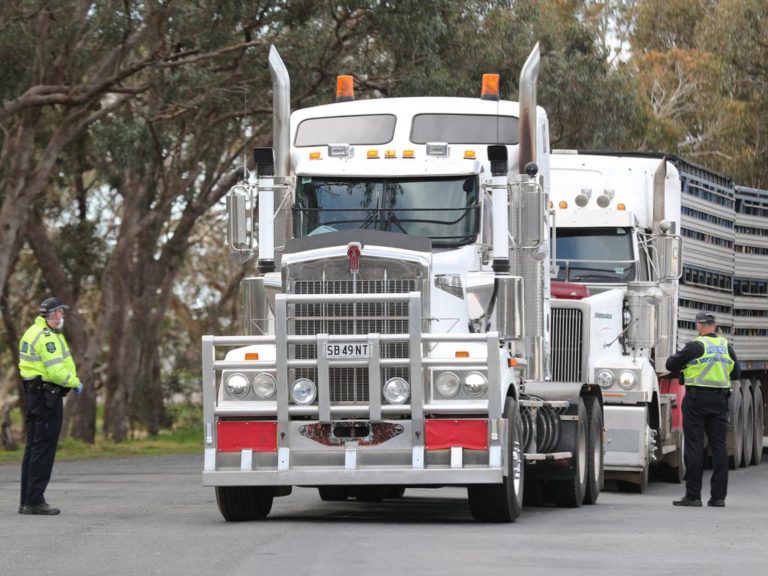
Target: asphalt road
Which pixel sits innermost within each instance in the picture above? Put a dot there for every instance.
(152, 516)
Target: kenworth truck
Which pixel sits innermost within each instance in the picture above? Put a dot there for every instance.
(616, 215)
(401, 329)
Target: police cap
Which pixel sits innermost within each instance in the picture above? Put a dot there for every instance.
(705, 318)
(51, 305)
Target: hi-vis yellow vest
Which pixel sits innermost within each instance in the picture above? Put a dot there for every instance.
(713, 368)
(45, 353)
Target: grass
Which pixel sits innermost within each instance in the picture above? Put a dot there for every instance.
(185, 438)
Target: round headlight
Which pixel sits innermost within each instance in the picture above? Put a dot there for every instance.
(236, 385)
(605, 378)
(447, 384)
(627, 380)
(397, 391)
(303, 391)
(264, 385)
(475, 384)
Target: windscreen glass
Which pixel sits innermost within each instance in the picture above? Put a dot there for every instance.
(595, 255)
(446, 209)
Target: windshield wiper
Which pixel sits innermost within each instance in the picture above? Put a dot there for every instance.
(370, 217)
(392, 218)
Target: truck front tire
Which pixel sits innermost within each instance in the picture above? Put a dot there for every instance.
(243, 503)
(503, 502)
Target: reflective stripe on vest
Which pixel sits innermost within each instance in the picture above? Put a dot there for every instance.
(713, 368)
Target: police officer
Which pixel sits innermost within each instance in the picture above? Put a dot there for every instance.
(49, 374)
(708, 364)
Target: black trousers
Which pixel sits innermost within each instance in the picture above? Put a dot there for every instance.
(705, 412)
(43, 420)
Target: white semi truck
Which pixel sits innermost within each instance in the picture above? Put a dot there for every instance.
(616, 215)
(401, 328)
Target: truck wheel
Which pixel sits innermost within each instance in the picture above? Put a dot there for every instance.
(333, 493)
(503, 502)
(757, 443)
(570, 493)
(749, 422)
(735, 428)
(242, 503)
(595, 478)
(394, 492)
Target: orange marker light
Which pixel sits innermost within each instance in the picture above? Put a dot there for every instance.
(251, 355)
(314, 155)
(345, 88)
(490, 89)
(409, 154)
(470, 154)
(562, 204)
(390, 153)
(373, 154)
(512, 362)
(620, 206)
(462, 354)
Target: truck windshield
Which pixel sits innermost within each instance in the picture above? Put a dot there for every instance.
(445, 209)
(599, 255)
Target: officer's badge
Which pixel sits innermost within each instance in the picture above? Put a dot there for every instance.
(51, 347)
(46, 332)
(24, 347)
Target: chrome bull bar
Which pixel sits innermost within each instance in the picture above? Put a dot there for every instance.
(324, 411)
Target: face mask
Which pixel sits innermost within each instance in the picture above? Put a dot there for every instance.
(61, 325)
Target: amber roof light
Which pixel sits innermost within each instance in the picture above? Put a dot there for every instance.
(345, 88)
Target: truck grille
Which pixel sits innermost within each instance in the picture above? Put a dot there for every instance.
(567, 344)
(350, 385)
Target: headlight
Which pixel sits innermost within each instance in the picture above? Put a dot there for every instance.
(264, 385)
(236, 385)
(475, 384)
(397, 391)
(303, 391)
(605, 378)
(447, 384)
(627, 380)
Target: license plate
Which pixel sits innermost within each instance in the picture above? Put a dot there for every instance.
(341, 351)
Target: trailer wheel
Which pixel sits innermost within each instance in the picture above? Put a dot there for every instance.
(736, 428)
(570, 493)
(503, 502)
(749, 422)
(595, 453)
(333, 493)
(757, 443)
(242, 503)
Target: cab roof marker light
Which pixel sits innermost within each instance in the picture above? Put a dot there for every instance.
(315, 156)
(562, 204)
(470, 154)
(409, 153)
(345, 88)
(372, 154)
(437, 149)
(620, 206)
(389, 153)
(490, 88)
